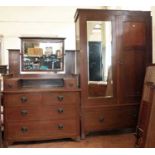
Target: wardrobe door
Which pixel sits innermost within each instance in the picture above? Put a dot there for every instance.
(100, 63)
(135, 55)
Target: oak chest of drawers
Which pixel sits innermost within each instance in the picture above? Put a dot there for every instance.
(41, 114)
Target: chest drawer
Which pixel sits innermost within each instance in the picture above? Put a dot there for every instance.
(53, 98)
(110, 118)
(22, 113)
(20, 99)
(42, 129)
(44, 112)
(60, 112)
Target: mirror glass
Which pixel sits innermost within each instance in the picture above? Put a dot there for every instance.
(39, 54)
(99, 48)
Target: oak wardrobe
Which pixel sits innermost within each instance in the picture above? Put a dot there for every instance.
(113, 50)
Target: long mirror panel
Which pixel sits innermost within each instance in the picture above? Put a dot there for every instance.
(99, 43)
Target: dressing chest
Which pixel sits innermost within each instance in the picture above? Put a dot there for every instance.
(40, 106)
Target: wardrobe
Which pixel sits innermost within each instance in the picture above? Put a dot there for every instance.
(113, 48)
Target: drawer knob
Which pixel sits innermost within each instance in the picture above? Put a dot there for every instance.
(24, 112)
(60, 110)
(23, 99)
(135, 116)
(60, 126)
(24, 129)
(60, 98)
(101, 119)
(70, 84)
(10, 86)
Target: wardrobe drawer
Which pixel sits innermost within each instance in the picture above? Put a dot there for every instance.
(110, 118)
(20, 99)
(53, 98)
(44, 112)
(42, 130)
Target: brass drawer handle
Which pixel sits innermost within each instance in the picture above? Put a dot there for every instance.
(23, 99)
(120, 62)
(60, 110)
(10, 86)
(60, 98)
(24, 112)
(60, 126)
(101, 119)
(135, 116)
(24, 129)
(71, 85)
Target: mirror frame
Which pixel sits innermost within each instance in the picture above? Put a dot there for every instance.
(92, 25)
(48, 40)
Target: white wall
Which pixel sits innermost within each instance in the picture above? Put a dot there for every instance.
(44, 21)
(143, 8)
(35, 21)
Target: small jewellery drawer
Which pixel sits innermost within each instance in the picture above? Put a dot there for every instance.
(44, 112)
(19, 99)
(60, 97)
(42, 129)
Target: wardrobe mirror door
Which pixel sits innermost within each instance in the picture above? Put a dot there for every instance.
(99, 52)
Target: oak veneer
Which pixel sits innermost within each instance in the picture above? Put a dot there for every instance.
(40, 106)
(131, 54)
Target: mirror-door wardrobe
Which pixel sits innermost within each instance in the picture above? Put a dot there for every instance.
(113, 50)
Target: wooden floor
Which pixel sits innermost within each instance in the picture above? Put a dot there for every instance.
(94, 141)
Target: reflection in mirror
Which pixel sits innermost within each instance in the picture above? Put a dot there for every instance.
(99, 43)
(42, 54)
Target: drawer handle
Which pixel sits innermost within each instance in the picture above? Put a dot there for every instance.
(60, 126)
(10, 86)
(24, 129)
(24, 112)
(60, 110)
(23, 99)
(134, 116)
(70, 84)
(60, 98)
(101, 119)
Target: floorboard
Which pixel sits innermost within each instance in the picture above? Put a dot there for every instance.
(93, 141)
